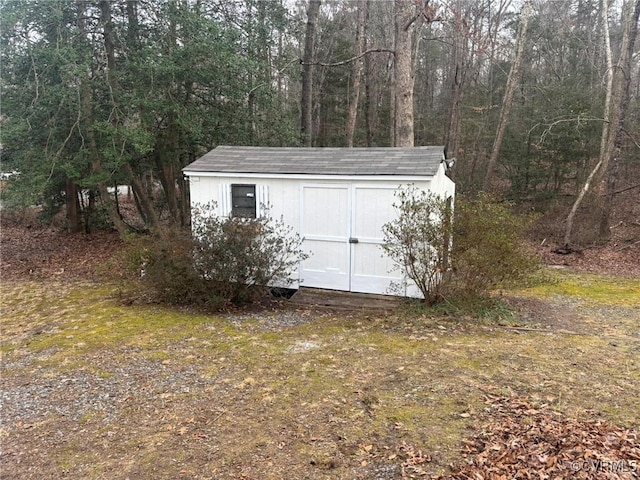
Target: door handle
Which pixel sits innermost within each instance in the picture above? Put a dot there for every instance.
(353, 240)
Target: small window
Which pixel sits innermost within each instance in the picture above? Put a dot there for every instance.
(243, 201)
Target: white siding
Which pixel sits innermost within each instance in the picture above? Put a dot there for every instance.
(328, 213)
(441, 184)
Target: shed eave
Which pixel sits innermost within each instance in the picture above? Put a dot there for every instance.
(307, 176)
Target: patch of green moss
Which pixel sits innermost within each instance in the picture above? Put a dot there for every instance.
(95, 322)
(595, 289)
(391, 342)
(438, 424)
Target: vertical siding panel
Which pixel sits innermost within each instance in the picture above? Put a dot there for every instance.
(262, 192)
(224, 203)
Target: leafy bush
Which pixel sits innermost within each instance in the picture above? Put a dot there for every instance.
(419, 239)
(224, 261)
(488, 246)
(487, 251)
(168, 271)
(241, 257)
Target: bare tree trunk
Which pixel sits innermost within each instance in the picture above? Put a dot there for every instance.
(607, 116)
(87, 120)
(403, 74)
(452, 144)
(352, 112)
(576, 204)
(392, 105)
(145, 203)
(168, 158)
(306, 104)
(623, 73)
(105, 196)
(368, 106)
(507, 101)
(107, 26)
(74, 224)
(607, 127)
(132, 21)
(96, 161)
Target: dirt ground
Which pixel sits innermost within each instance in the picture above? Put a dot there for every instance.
(92, 388)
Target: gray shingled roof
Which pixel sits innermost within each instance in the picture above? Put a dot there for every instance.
(416, 161)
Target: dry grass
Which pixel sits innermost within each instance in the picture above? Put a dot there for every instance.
(94, 389)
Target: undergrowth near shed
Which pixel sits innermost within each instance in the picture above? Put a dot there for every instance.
(489, 250)
(221, 262)
(457, 258)
(92, 388)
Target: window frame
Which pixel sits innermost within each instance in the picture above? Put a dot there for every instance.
(234, 196)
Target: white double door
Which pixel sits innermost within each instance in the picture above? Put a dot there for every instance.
(341, 225)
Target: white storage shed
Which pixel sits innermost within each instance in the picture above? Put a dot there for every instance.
(337, 199)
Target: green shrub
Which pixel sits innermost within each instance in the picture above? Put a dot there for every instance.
(419, 239)
(223, 261)
(168, 270)
(488, 250)
(488, 246)
(242, 257)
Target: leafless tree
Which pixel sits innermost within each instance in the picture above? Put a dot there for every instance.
(306, 106)
(507, 101)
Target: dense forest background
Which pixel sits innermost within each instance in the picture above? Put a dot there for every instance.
(537, 101)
